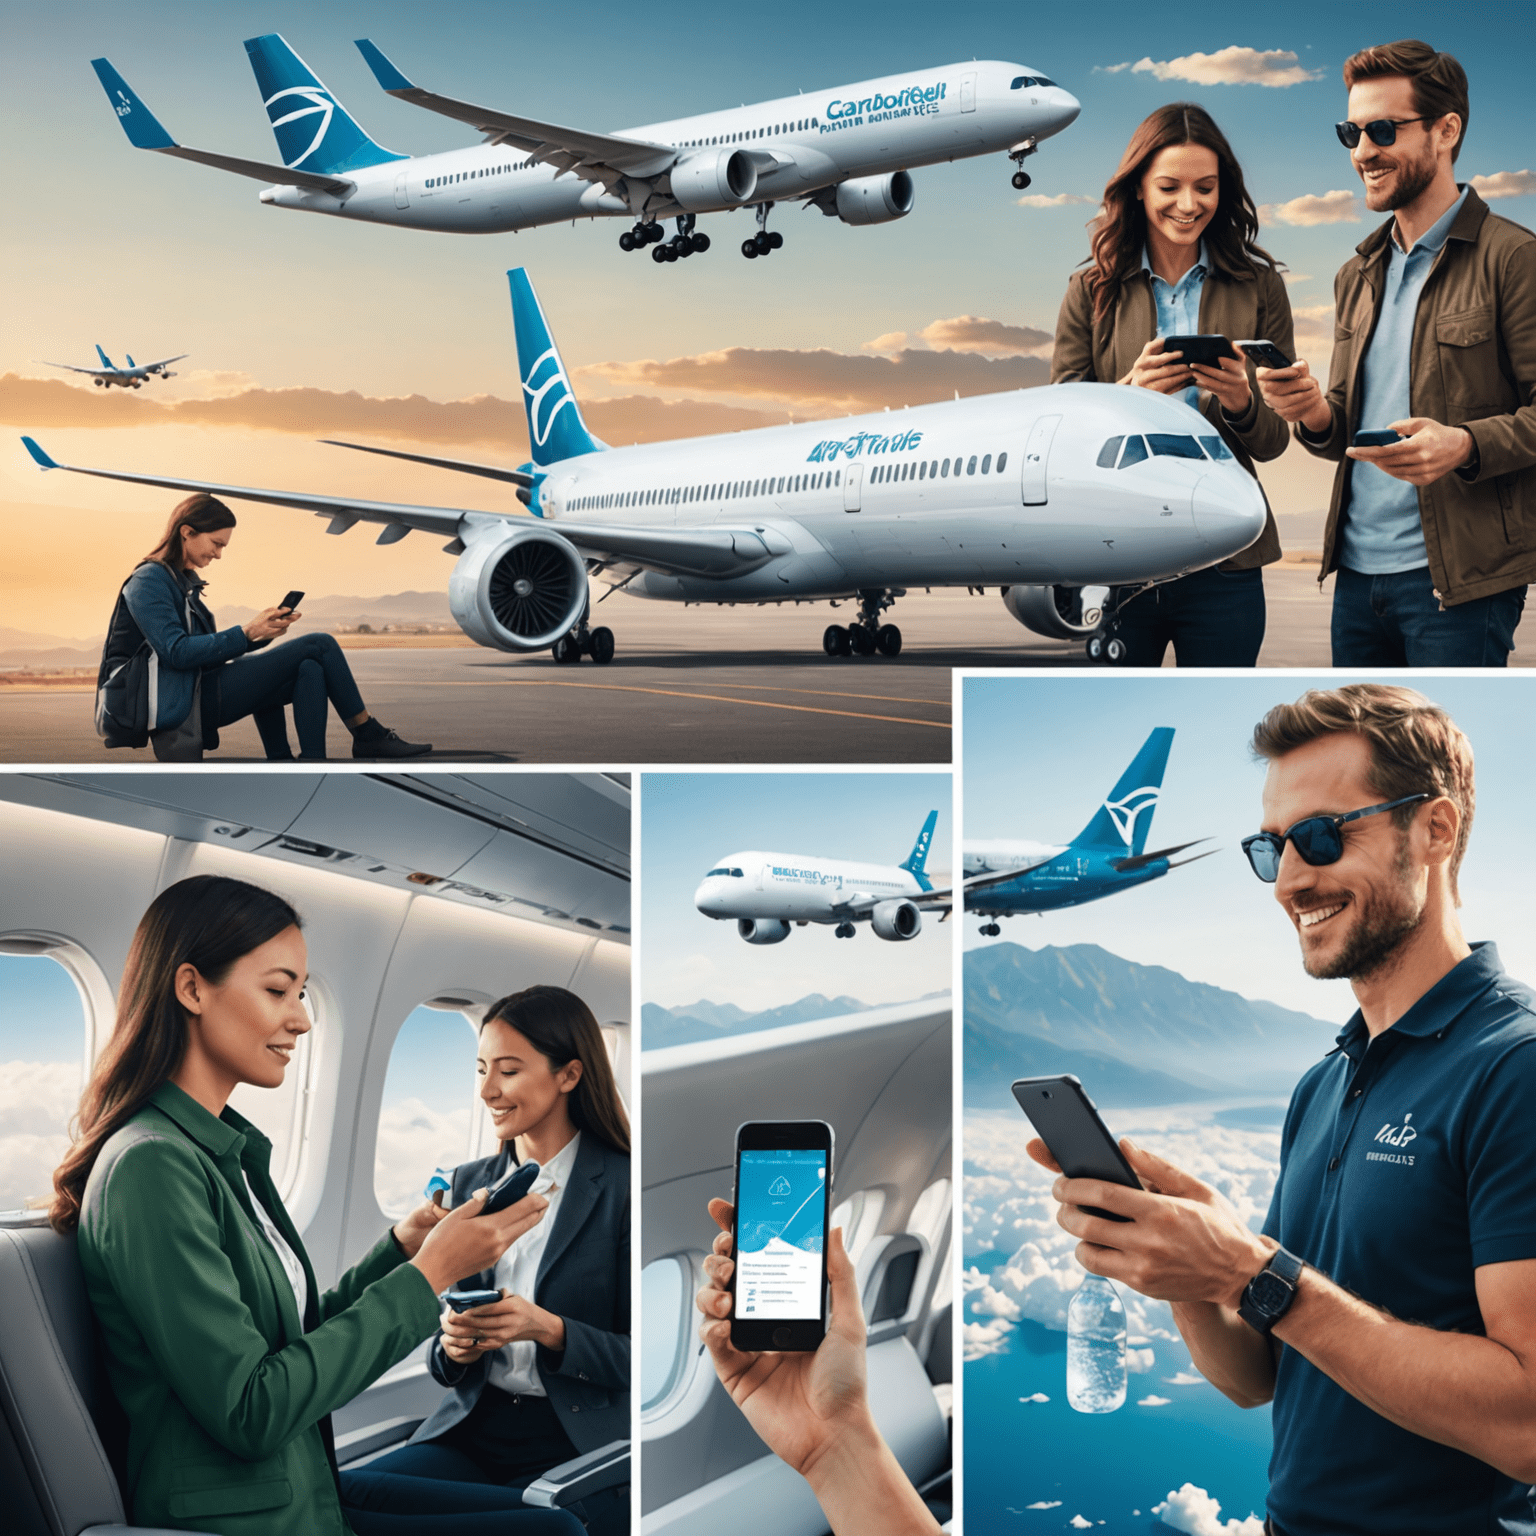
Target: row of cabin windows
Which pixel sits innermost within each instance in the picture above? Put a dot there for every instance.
(686, 495)
(934, 469)
(799, 126)
(1168, 445)
(488, 170)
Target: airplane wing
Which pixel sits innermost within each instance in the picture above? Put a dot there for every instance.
(164, 362)
(598, 157)
(95, 373)
(489, 471)
(1141, 860)
(144, 132)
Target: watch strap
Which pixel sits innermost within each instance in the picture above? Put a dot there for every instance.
(1263, 1305)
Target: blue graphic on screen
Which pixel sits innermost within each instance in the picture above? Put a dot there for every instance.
(780, 1219)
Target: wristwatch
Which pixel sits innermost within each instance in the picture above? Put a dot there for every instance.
(1268, 1296)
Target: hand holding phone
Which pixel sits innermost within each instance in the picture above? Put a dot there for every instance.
(1205, 350)
(510, 1187)
(292, 601)
(1379, 439)
(462, 1301)
(1265, 353)
(1068, 1123)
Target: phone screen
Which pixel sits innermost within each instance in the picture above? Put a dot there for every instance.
(781, 1221)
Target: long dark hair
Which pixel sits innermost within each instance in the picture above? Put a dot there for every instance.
(1120, 232)
(562, 1028)
(201, 513)
(208, 921)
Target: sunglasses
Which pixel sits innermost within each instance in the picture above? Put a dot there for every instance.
(1383, 131)
(1316, 838)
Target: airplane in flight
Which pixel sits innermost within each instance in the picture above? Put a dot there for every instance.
(1006, 878)
(131, 377)
(847, 150)
(767, 892)
(1053, 489)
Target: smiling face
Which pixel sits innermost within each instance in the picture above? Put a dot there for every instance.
(524, 1092)
(1180, 191)
(1352, 916)
(1398, 174)
(200, 549)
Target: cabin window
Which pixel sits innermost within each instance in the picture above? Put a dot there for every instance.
(667, 1332)
(1002, 462)
(986, 465)
(930, 1219)
(859, 1217)
(944, 469)
(922, 470)
(970, 468)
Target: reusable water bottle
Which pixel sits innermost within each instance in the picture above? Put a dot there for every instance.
(1096, 1348)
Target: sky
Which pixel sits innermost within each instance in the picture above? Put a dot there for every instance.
(1040, 754)
(301, 326)
(690, 822)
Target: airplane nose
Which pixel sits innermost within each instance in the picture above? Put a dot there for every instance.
(1228, 509)
(1068, 108)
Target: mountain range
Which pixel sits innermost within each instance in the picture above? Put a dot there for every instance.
(704, 1020)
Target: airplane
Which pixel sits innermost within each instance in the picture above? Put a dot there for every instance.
(131, 377)
(767, 892)
(1043, 492)
(425, 897)
(1005, 878)
(846, 151)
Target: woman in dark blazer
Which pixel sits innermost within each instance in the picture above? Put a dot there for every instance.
(1175, 253)
(541, 1376)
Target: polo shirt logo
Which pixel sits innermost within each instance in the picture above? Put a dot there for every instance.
(1395, 1136)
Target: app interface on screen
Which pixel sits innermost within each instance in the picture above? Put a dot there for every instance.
(779, 1225)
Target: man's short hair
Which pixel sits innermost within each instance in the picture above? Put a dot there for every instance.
(1415, 746)
(1439, 82)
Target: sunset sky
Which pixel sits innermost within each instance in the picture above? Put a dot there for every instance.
(301, 326)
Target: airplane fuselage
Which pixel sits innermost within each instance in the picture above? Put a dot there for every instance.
(1071, 878)
(799, 888)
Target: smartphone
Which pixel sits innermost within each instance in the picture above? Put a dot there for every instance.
(1375, 439)
(1204, 350)
(510, 1187)
(292, 601)
(1069, 1124)
(462, 1301)
(1265, 353)
(779, 1284)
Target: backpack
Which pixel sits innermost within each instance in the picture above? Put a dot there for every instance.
(126, 681)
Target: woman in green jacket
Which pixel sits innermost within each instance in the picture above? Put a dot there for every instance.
(224, 1355)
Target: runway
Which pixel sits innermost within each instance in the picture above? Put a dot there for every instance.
(726, 685)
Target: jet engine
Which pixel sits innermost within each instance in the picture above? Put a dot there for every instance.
(875, 199)
(896, 920)
(762, 930)
(520, 591)
(714, 178)
(1059, 613)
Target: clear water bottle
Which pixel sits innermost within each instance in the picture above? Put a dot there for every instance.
(1096, 1348)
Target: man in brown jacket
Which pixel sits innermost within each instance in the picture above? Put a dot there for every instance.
(1433, 536)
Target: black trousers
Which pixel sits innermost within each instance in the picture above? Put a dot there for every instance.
(1213, 618)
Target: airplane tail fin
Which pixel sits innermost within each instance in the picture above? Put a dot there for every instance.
(1125, 818)
(555, 428)
(914, 861)
(106, 362)
(131, 362)
(314, 131)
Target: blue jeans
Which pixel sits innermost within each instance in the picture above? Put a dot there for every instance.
(303, 672)
(1396, 621)
(388, 1504)
(1213, 618)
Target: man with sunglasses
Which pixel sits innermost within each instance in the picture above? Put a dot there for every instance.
(1433, 536)
(1407, 1184)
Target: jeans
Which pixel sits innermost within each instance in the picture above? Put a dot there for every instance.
(1213, 618)
(379, 1503)
(303, 672)
(1396, 621)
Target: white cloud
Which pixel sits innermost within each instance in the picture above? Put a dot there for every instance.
(1193, 1511)
(1227, 66)
(413, 1140)
(983, 1339)
(1313, 208)
(1139, 1361)
(1185, 1379)
(37, 1101)
(1079, 1524)
(1044, 1504)
(887, 345)
(1313, 322)
(1505, 184)
(1037, 1397)
(1153, 1401)
(1290, 278)
(1060, 200)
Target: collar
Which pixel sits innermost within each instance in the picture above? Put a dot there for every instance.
(1438, 1009)
(1202, 266)
(556, 1173)
(1435, 236)
(1466, 217)
(217, 1135)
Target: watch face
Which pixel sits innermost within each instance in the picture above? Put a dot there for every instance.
(1268, 1293)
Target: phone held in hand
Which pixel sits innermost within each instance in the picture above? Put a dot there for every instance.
(1068, 1123)
(510, 1187)
(292, 601)
(1205, 350)
(462, 1301)
(779, 1283)
(1381, 439)
(1265, 353)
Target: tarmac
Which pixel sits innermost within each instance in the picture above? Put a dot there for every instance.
(704, 684)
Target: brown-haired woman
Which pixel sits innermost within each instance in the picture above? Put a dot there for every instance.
(207, 678)
(224, 1354)
(542, 1375)
(1175, 252)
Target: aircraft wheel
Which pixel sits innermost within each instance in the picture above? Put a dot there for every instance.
(1095, 648)
(1114, 652)
(889, 640)
(626, 241)
(764, 242)
(860, 640)
(654, 232)
(749, 249)
(1020, 180)
(137, 384)
(701, 242)
(566, 650)
(600, 646)
(775, 238)
(97, 382)
(834, 640)
(683, 247)
(658, 253)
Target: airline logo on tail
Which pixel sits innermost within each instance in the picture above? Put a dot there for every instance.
(556, 384)
(1127, 812)
(318, 101)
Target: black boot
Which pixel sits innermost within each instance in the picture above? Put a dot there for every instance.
(372, 740)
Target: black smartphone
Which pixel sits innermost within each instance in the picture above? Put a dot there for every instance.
(1265, 353)
(462, 1301)
(779, 1284)
(292, 601)
(1204, 350)
(1069, 1124)
(510, 1187)
(1379, 439)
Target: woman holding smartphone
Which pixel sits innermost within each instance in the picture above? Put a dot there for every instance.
(225, 1356)
(207, 678)
(542, 1375)
(1175, 253)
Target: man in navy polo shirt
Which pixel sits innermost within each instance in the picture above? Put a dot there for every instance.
(1389, 1307)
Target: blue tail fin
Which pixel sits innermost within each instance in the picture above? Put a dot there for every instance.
(314, 132)
(106, 362)
(1125, 818)
(915, 860)
(139, 123)
(555, 428)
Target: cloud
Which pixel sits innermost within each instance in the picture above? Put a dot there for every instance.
(1079, 1524)
(1505, 184)
(887, 345)
(1313, 208)
(1061, 200)
(37, 1100)
(983, 1339)
(989, 338)
(1227, 66)
(1291, 278)
(1036, 1397)
(1193, 1511)
(1153, 1401)
(413, 1140)
(1185, 1379)
(1044, 1504)
(1313, 322)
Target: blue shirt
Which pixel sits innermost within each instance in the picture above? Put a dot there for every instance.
(1406, 1163)
(1382, 532)
(1178, 308)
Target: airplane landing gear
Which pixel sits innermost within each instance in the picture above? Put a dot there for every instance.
(1018, 154)
(684, 243)
(581, 641)
(643, 234)
(990, 930)
(766, 240)
(1110, 648)
(867, 635)
(844, 931)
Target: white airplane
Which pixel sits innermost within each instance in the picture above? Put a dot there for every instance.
(767, 892)
(846, 150)
(131, 377)
(1042, 492)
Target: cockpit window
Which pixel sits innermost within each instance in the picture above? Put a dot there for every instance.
(1217, 449)
(1110, 452)
(1174, 445)
(724, 870)
(1020, 81)
(1135, 452)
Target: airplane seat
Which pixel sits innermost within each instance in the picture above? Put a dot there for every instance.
(887, 1274)
(57, 1413)
(598, 1471)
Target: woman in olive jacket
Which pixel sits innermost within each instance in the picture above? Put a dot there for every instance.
(224, 1355)
(1175, 254)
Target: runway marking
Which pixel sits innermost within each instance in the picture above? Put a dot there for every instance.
(677, 693)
